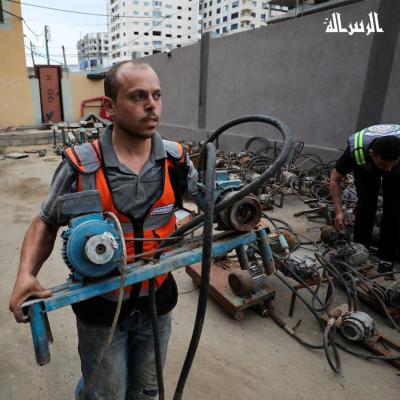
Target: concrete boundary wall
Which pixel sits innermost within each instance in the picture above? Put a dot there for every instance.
(322, 85)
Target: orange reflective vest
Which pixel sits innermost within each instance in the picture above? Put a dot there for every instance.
(159, 220)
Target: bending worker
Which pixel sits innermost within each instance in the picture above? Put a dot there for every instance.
(141, 178)
(373, 156)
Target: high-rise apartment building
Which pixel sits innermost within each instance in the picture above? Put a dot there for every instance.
(93, 51)
(224, 17)
(138, 28)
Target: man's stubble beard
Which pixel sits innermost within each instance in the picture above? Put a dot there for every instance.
(137, 135)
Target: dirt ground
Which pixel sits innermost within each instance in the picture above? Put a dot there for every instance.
(251, 359)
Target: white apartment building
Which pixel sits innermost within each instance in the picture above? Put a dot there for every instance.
(93, 51)
(138, 28)
(224, 17)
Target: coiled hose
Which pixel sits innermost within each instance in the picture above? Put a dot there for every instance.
(207, 163)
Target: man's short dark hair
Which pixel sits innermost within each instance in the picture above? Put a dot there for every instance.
(111, 82)
(387, 147)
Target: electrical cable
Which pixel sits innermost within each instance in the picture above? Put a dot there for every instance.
(255, 184)
(77, 12)
(88, 384)
(23, 20)
(156, 336)
(205, 269)
(329, 341)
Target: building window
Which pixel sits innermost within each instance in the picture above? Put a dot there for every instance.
(156, 33)
(179, 17)
(156, 13)
(209, 23)
(179, 8)
(235, 4)
(217, 31)
(178, 36)
(157, 3)
(224, 19)
(234, 15)
(168, 35)
(224, 29)
(210, 13)
(234, 26)
(218, 10)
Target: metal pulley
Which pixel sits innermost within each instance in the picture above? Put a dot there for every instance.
(92, 246)
(242, 216)
(249, 281)
(357, 326)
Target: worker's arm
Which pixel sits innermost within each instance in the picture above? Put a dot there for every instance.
(36, 248)
(336, 194)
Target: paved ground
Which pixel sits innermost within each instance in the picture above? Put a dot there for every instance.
(251, 359)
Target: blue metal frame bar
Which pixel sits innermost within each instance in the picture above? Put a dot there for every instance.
(63, 295)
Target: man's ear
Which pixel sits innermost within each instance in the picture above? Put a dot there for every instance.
(108, 104)
(371, 153)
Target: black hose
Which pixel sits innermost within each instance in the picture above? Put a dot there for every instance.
(157, 350)
(205, 270)
(317, 317)
(251, 187)
(324, 305)
(329, 341)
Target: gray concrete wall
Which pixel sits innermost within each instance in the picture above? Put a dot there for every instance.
(322, 85)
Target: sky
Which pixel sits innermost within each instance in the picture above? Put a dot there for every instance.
(65, 28)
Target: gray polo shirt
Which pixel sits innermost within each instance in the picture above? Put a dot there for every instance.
(132, 193)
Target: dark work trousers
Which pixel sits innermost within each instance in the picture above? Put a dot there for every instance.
(368, 185)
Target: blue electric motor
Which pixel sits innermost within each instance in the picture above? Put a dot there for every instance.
(91, 246)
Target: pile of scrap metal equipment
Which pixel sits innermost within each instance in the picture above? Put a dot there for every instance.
(236, 280)
(234, 265)
(71, 134)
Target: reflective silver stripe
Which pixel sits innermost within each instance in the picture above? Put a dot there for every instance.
(156, 221)
(150, 223)
(88, 157)
(172, 148)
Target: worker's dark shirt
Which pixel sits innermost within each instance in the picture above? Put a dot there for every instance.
(346, 164)
(132, 193)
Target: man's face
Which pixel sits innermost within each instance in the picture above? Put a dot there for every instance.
(383, 165)
(138, 105)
